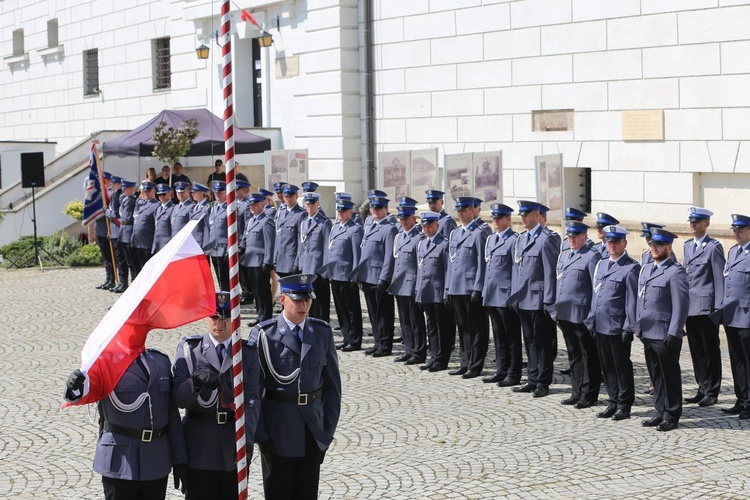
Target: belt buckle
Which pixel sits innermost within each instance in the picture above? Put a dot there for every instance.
(146, 435)
(221, 417)
(301, 399)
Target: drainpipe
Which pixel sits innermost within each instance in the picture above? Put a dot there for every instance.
(369, 97)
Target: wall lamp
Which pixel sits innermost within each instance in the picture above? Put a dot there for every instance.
(202, 50)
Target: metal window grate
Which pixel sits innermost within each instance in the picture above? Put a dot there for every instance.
(162, 64)
(91, 72)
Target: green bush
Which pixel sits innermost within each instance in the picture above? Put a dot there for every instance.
(87, 255)
(60, 247)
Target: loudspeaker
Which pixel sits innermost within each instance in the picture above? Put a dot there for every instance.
(32, 170)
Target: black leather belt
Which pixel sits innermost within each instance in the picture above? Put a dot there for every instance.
(220, 417)
(145, 435)
(126, 223)
(289, 397)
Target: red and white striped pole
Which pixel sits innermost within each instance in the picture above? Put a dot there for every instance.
(234, 292)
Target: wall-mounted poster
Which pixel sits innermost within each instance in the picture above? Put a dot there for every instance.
(459, 175)
(424, 172)
(394, 174)
(297, 166)
(488, 177)
(549, 184)
(276, 166)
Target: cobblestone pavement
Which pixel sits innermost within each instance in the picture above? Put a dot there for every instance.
(403, 433)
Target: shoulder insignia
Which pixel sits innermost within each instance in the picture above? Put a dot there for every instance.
(157, 351)
(318, 321)
(266, 323)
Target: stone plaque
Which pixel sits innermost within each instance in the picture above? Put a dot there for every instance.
(643, 125)
(287, 67)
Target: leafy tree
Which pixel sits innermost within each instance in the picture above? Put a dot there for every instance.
(171, 144)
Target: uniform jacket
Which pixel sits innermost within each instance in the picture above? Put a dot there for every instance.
(404, 276)
(282, 422)
(705, 272)
(125, 215)
(663, 301)
(110, 214)
(736, 301)
(575, 273)
(376, 259)
(144, 223)
(615, 295)
(162, 226)
(432, 269)
(466, 254)
(344, 245)
(198, 212)
(124, 457)
(181, 215)
(217, 230)
(312, 245)
(287, 237)
(446, 224)
(601, 247)
(534, 278)
(498, 254)
(646, 257)
(270, 210)
(211, 445)
(258, 241)
(565, 245)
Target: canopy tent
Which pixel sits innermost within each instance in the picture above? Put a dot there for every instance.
(210, 140)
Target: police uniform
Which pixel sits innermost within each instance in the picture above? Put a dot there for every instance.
(181, 212)
(464, 284)
(311, 255)
(140, 433)
(144, 224)
(258, 242)
(125, 216)
(446, 222)
(162, 221)
(209, 417)
(269, 209)
(533, 288)
(603, 220)
(342, 195)
(575, 271)
(704, 263)
(243, 217)
(344, 245)
(572, 213)
(506, 326)
(218, 237)
(198, 212)
(402, 287)
(432, 269)
(373, 273)
(613, 312)
(302, 397)
(661, 313)
(104, 237)
(287, 234)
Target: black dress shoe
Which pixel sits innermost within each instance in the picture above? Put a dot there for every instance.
(509, 382)
(336, 328)
(341, 346)
(708, 401)
(120, 288)
(351, 348)
(666, 426)
(471, 374)
(381, 354)
(106, 285)
(458, 371)
(398, 340)
(427, 366)
(369, 351)
(541, 391)
(745, 415)
(608, 412)
(584, 403)
(566, 371)
(569, 401)
(402, 358)
(493, 379)
(621, 415)
(734, 410)
(414, 361)
(651, 422)
(695, 399)
(437, 367)
(527, 387)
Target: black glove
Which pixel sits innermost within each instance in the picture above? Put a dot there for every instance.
(296, 270)
(382, 286)
(267, 453)
(241, 250)
(267, 268)
(672, 341)
(204, 378)
(74, 385)
(179, 473)
(627, 337)
(476, 297)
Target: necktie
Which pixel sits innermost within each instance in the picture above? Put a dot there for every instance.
(295, 332)
(427, 246)
(309, 224)
(609, 264)
(220, 348)
(142, 365)
(695, 247)
(572, 254)
(653, 269)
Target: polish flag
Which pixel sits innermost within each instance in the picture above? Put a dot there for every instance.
(248, 18)
(173, 289)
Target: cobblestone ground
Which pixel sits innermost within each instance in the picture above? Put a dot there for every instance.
(403, 433)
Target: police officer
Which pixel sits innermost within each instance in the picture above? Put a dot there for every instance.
(198, 211)
(182, 211)
(243, 216)
(314, 231)
(162, 218)
(703, 260)
(343, 195)
(125, 216)
(506, 327)
(432, 266)
(203, 385)
(107, 240)
(144, 224)
(312, 187)
(218, 234)
(661, 313)
(373, 274)
(302, 393)
(377, 193)
(736, 317)
(611, 318)
(403, 283)
(573, 214)
(257, 256)
(140, 434)
(533, 290)
(464, 283)
(575, 271)
(270, 206)
(646, 257)
(435, 202)
(287, 231)
(603, 220)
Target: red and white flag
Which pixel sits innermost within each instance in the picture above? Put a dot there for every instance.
(248, 17)
(173, 289)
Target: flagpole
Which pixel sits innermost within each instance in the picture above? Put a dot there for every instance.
(239, 397)
(105, 197)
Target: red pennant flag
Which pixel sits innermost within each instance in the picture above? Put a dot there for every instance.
(174, 288)
(248, 18)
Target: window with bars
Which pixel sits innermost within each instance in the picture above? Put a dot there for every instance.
(162, 66)
(91, 72)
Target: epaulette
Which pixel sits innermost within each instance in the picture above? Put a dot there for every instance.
(319, 321)
(633, 260)
(153, 350)
(523, 232)
(320, 216)
(193, 338)
(266, 323)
